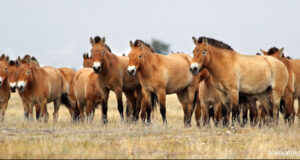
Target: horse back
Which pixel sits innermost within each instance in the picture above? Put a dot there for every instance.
(168, 68)
(67, 77)
(54, 82)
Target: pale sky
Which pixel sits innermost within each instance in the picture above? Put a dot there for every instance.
(57, 31)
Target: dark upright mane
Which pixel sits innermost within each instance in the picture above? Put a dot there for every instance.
(273, 50)
(136, 44)
(98, 39)
(215, 43)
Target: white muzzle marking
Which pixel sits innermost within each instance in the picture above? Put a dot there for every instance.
(195, 65)
(12, 84)
(21, 84)
(131, 70)
(97, 64)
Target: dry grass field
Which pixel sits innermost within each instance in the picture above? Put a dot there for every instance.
(22, 139)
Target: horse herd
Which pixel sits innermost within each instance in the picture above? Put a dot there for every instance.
(216, 82)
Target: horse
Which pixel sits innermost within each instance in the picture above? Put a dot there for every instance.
(293, 86)
(4, 85)
(67, 75)
(209, 96)
(237, 74)
(86, 92)
(111, 70)
(87, 60)
(159, 74)
(39, 86)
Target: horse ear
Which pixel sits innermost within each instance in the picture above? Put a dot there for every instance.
(195, 40)
(131, 44)
(103, 40)
(2, 57)
(281, 52)
(26, 58)
(264, 52)
(7, 58)
(91, 40)
(140, 45)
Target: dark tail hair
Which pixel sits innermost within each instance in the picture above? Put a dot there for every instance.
(154, 100)
(282, 106)
(65, 100)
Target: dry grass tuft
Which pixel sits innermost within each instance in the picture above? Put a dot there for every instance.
(22, 139)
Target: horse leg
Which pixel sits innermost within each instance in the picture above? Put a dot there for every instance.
(44, 112)
(205, 108)
(162, 102)
(131, 104)
(3, 109)
(81, 106)
(146, 107)
(298, 112)
(37, 112)
(245, 113)
(118, 93)
(290, 110)
(29, 106)
(276, 97)
(192, 94)
(217, 113)
(25, 107)
(182, 97)
(234, 97)
(89, 111)
(138, 103)
(104, 100)
(253, 112)
(56, 108)
(198, 111)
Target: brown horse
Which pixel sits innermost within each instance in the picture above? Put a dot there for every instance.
(209, 95)
(111, 70)
(159, 74)
(39, 86)
(237, 74)
(4, 85)
(67, 75)
(86, 92)
(290, 91)
(87, 60)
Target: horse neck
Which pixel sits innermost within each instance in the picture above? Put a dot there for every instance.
(108, 65)
(34, 79)
(219, 59)
(146, 69)
(5, 86)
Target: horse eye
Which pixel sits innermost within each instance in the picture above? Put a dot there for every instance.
(140, 56)
(102, 52)
(204, 52)
(28, 72)
(5, 69)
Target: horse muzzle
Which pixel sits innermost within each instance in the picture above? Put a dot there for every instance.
(97, 67)
(13, 89)
(21, 86)
(131, 70)
(195, 68)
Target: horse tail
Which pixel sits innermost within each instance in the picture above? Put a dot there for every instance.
(282, 106)
(66, 101)
(154, 101)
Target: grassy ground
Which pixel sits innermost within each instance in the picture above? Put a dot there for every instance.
(22, 139)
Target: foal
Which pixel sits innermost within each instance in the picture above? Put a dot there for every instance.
(39, 86)
(4, 85)
(160, 74)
